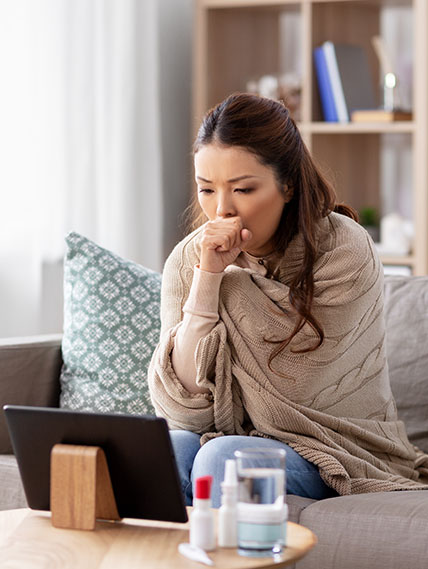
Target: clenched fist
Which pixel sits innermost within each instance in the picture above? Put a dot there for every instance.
(222, 240)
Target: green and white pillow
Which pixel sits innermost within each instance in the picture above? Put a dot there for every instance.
(111, 328)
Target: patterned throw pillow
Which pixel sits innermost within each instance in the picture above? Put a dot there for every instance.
(111, 328)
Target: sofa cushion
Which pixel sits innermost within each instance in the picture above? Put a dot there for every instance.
(29, 372)
(11, 491)
(406, 314)
(296, 504)
(385, 530)
(111, 327)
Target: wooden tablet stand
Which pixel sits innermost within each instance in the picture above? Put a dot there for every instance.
(81, 489)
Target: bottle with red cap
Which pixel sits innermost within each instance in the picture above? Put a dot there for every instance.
(202, 532)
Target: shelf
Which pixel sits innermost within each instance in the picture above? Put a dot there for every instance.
(397, 260)
(246, 3)
(264, 3)
(371, 2)
(320, 127)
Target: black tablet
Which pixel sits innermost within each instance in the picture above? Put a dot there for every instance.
(138, 450)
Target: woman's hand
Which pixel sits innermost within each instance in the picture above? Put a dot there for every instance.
(221, 242)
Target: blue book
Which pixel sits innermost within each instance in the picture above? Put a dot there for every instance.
(325, 86)
(350, 78)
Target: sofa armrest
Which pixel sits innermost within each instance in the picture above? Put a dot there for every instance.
(406, 309)
(29, 375)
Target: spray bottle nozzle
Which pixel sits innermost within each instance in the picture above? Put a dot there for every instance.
(230, 478)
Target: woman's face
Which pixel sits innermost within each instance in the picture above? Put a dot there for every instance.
(232, 182)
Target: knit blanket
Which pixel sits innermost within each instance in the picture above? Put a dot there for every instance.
(333, 405)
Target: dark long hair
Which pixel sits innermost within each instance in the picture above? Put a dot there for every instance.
(265, 128)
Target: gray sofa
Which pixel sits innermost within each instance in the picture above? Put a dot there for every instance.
(384, 530)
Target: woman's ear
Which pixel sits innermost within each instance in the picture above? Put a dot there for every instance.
(287, 192)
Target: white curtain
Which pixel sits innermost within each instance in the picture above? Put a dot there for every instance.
(84, 140)
(396, 27)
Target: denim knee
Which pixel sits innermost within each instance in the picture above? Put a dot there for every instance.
(185, 445)
(302, 477)
(211, 459)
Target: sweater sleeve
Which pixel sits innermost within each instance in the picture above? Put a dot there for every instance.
(171, 400)
(200, 316)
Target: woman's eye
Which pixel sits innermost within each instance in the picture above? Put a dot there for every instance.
(244, 190)
(205, 191)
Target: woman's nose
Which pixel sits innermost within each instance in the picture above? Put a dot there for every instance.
(225, 207)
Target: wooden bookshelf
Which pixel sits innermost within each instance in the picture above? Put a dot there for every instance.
(321, 127)
(236, 40)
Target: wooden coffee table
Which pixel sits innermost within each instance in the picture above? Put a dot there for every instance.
(27, 539)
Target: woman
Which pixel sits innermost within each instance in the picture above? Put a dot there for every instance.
(272, 320)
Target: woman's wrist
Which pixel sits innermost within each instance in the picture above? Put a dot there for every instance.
(204, 292)
(210, 263)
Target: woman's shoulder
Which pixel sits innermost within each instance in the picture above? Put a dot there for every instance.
(346, 243)
(186, 253)
(342, 231)
(348, 266)
(346, 227)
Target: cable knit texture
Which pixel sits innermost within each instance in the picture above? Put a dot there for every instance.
(333, 405)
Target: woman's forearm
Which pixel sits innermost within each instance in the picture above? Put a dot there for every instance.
(200, 317)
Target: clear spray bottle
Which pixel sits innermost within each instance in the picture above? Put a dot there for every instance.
(227, 514)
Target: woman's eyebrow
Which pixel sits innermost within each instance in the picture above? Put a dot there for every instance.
(232, 180)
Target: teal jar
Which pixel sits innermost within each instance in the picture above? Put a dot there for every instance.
(262, 529)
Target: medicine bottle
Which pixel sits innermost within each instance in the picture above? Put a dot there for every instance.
(228, 512)
(202, 532)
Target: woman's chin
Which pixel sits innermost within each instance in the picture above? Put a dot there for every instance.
(257, 251)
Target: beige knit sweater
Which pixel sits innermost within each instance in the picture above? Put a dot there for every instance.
(333, 405)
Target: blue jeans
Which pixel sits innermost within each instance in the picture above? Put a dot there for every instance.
(193, 461)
